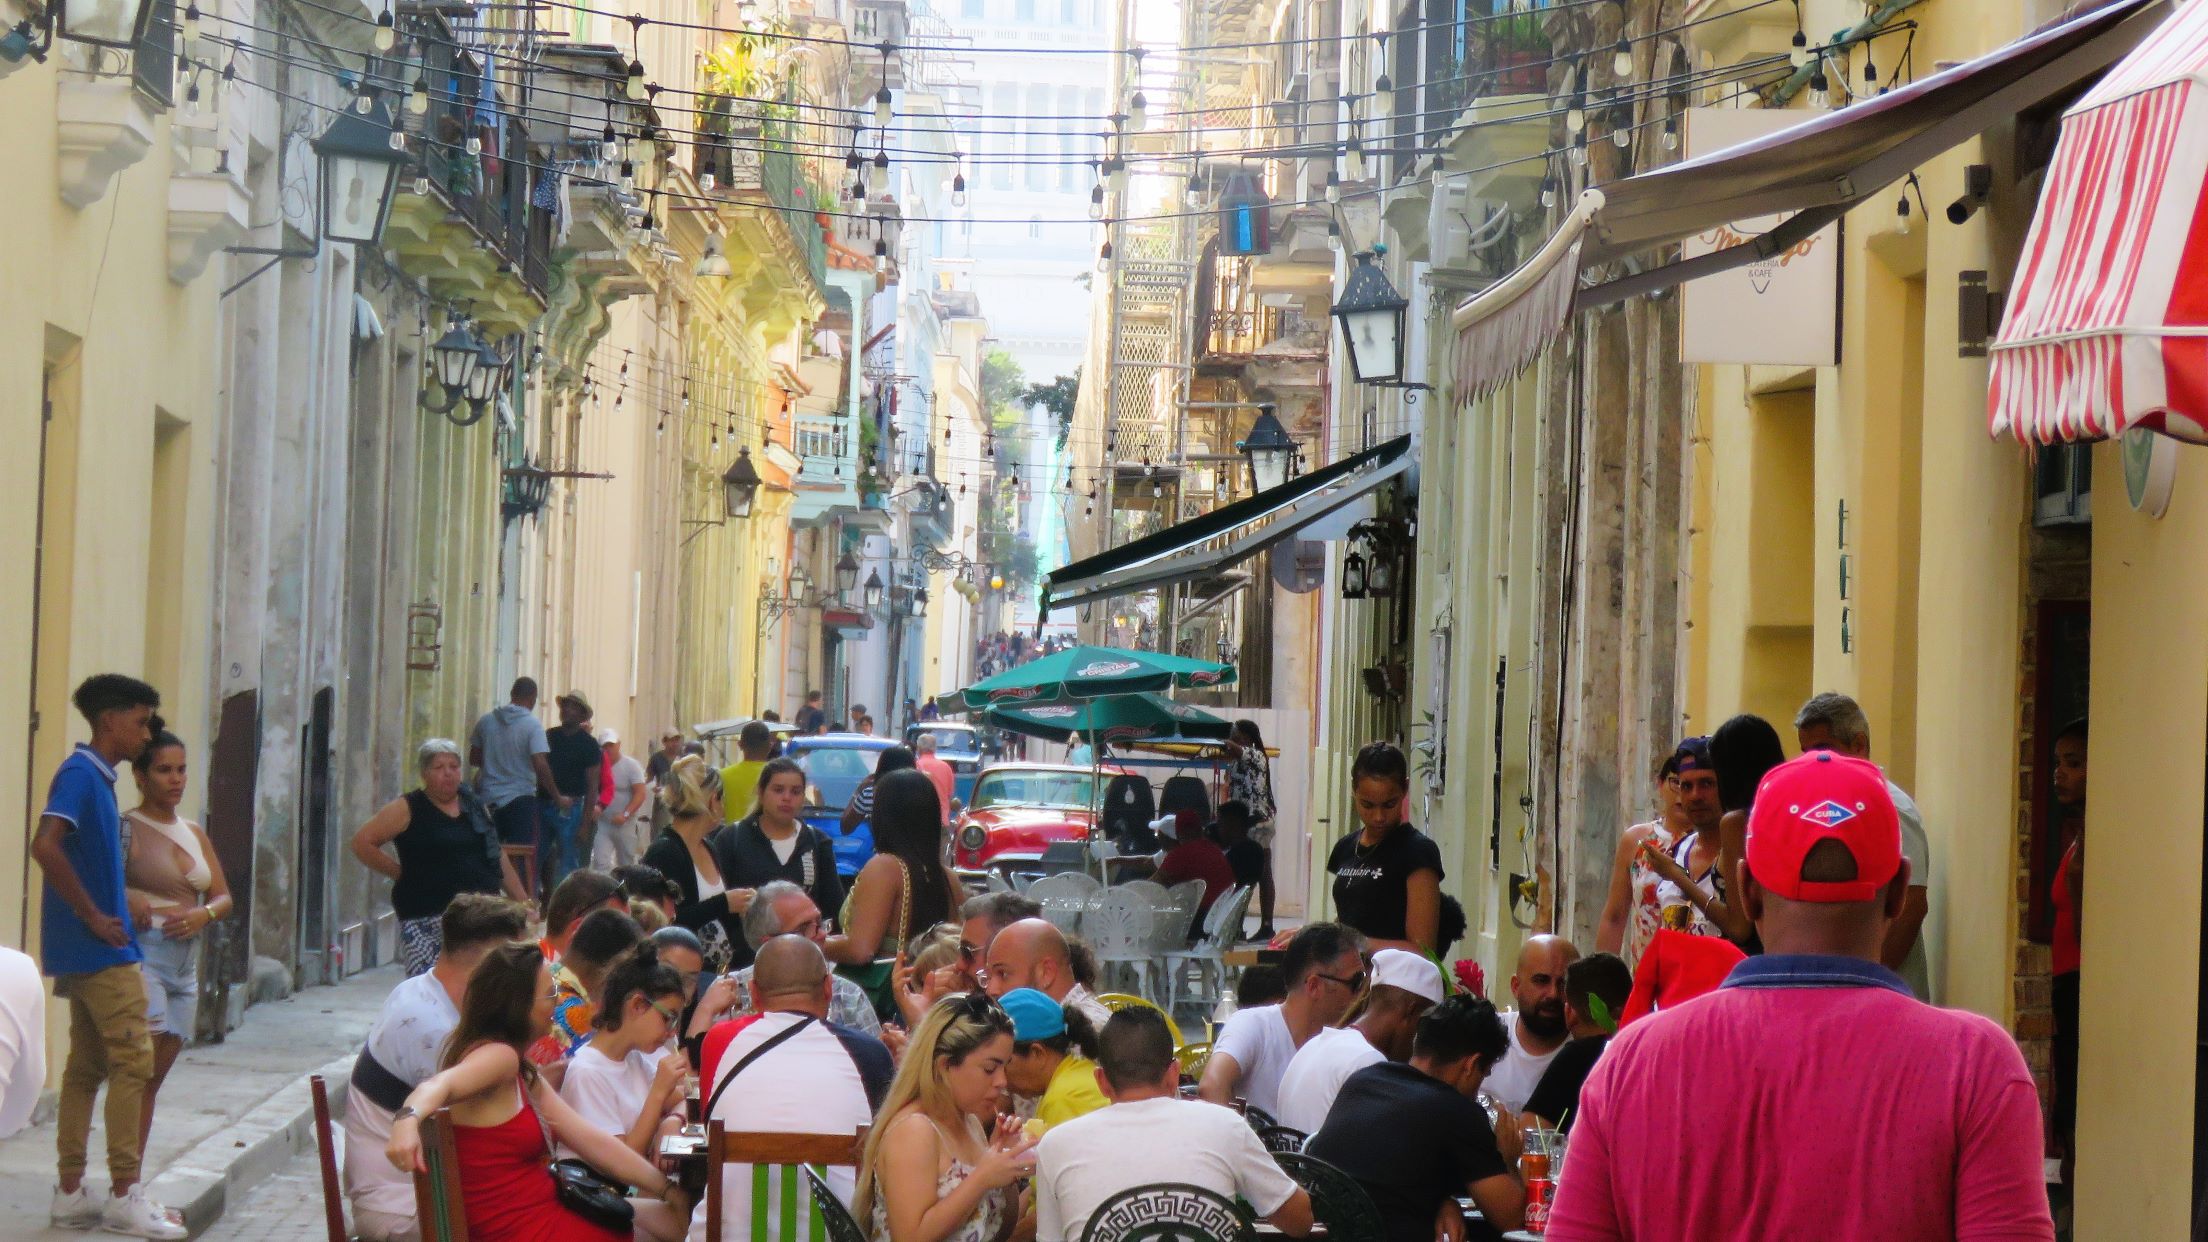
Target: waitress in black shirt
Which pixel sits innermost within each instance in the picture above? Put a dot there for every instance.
(1387, 874)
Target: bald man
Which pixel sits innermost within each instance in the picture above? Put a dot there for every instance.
(1538, 1029)
(1033, 954)
(820, 1079)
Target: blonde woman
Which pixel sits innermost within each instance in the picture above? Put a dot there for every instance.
(708, 907)
(930, 1172)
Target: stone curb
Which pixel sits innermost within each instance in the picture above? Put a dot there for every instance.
(242, 1155)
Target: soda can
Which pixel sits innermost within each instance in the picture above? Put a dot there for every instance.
(1540, 1191)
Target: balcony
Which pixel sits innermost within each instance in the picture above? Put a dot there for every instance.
(1246, 333)
(463, 222)
(1455, 64)
(770, 209)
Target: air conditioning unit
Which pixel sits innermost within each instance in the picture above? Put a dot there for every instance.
(1470, 238)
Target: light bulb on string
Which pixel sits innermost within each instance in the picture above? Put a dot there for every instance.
(1356, 160)
(1671, 133)
(636, 88)
(958, 189)
(1548, 190)
(1901, 214)
(1870, 67)
(1333, 186)
(1104, 258)
(1193, 197)
(1575, 116)
(1799, 51)
(1621, 57)
(387, 30)
(191, 99)
(881, 160)
(883, 112)
(1118, 176)
(628, 183)
(1096, 201)
(365, 102)
(1820, 90)
(189, 29)
(1622, 135)
(417, 99)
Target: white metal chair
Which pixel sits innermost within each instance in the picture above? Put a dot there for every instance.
(1222, 928)
(1150, 889)
(1169, 924)
(1064, 898)
(1117, 924)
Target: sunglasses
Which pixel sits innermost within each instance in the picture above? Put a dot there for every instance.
(980, 1006)
(1355, 983)
(673, 1018)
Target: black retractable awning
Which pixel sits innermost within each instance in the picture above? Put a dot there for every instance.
(1228, 535)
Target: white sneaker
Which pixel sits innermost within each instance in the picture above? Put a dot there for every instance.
(134, 1215)
(74, 1211)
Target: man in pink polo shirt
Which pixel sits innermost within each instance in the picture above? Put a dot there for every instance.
(1825, 1100)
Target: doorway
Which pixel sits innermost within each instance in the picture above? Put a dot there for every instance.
(317, 938)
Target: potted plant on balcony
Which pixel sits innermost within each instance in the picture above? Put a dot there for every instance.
(1519, 49)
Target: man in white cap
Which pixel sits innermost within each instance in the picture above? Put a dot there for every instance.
(618, 843)
(1404, 987)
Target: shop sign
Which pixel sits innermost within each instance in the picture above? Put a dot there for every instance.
(1782, 311)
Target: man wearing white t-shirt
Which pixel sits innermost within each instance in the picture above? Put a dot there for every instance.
(22, 1039)
(1404, 987)
(1150, 1136)
(618, 841)
(1538, 1029)
(787, 1070)
(402, 1051)
(1325, 971)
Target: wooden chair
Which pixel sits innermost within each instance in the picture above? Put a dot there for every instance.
(775, 1161)
(325, 1146)
(524, 858)
(437, 1191)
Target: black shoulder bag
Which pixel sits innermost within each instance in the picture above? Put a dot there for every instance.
(584, 1190)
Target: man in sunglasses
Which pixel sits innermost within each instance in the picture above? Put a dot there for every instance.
(1325, 970)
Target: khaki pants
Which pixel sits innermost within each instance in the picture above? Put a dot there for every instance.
(107, 1041)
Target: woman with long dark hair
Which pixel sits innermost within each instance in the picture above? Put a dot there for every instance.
(772, 843)
(506, 1116)
(1250, 782)
(1387, 874)
(905, 887)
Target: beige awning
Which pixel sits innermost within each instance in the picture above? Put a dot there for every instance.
(1816, 171)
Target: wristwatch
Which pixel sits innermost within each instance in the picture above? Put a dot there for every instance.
(405, 1111)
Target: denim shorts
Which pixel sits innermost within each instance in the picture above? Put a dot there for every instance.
(172, 983)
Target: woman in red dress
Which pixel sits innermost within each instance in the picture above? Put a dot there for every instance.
(504, 1114)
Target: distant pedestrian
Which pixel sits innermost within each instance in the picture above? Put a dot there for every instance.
(91, 953)
(176, 891)
(860, 808)
(1232, 830)
(740, 780)
(858, 713)
(575, 759)
(1869, 1113)
(866, 726)
(445, 846)
(812, 716)
(509, 751)
(2067, 895)
(772, 843)
(925, 759)
(655, 771)
(619, 842)
(1631, 914)
(1250, 782)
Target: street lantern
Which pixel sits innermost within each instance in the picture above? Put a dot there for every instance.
(1380, 573)
(1269, 450)
(847, 575)
(1353, 575)
(873, 594)
(800, 582)
(489, 377)
(360, 175)
(1371, 313)
(740, 485)
(107, 23)
(457, 357)
(919, 603)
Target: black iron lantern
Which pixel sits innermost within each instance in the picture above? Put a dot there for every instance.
(1353, 575)
(1380, 573)
(1269, 451)
(1371, 313)
(740, 484)
(489, 376)
(873, 595)
(919, 602)
(847, 574)
(360, 174)
(456, 356)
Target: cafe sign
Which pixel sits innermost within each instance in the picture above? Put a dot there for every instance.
(1781, 311)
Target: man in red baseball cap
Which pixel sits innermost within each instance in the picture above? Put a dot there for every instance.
(1840, 1105)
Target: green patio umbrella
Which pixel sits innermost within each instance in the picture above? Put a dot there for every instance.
(1123, 718)
(1079, 673)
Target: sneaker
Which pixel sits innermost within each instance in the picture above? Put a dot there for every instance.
(134, 1215)
(74, 1211)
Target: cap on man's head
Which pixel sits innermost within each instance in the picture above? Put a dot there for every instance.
(1692, 755)
(1824, 796)
(607, 737)
(1034, 1015)
(576, 697)
(1399, 968)
(670, 733)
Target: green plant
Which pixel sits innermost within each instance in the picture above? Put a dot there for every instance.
(1519, 32)
(1428, 754)
(1058, 397)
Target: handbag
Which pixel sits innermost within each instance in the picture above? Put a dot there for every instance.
(584, 1190)
(879, 979)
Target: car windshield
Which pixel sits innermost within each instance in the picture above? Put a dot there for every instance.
(1068, 790)
(836, 771)
(956, 741)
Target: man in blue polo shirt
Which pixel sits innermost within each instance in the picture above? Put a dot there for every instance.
(90, 950)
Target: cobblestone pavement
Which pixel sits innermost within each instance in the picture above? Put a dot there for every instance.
(285, 1208)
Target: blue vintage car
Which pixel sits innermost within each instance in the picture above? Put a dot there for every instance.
(834, 765)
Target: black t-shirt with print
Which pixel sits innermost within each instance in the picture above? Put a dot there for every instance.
(1411, 1141)
(1372, 887)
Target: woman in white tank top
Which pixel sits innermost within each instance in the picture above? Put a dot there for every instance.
(176, 888)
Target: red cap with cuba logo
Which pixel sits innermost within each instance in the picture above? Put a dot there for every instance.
(1824, 796)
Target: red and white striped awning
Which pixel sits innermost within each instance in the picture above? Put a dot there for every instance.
(2107, 321)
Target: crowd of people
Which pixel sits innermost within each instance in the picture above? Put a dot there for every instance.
(994, 653)
(1762, 930)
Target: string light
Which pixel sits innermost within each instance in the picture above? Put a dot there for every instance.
(387, 31)
(417, 99)
(1621, 58)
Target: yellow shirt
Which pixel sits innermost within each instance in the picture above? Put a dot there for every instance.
(1072, 1091)
(740, 787)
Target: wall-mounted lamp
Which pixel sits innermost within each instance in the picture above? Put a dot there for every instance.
(1977, 188)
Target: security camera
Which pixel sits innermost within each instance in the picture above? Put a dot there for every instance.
(1977, 188)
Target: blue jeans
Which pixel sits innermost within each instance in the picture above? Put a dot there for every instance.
(556, 844)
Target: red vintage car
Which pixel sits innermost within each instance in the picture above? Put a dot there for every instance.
(1019, 810)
